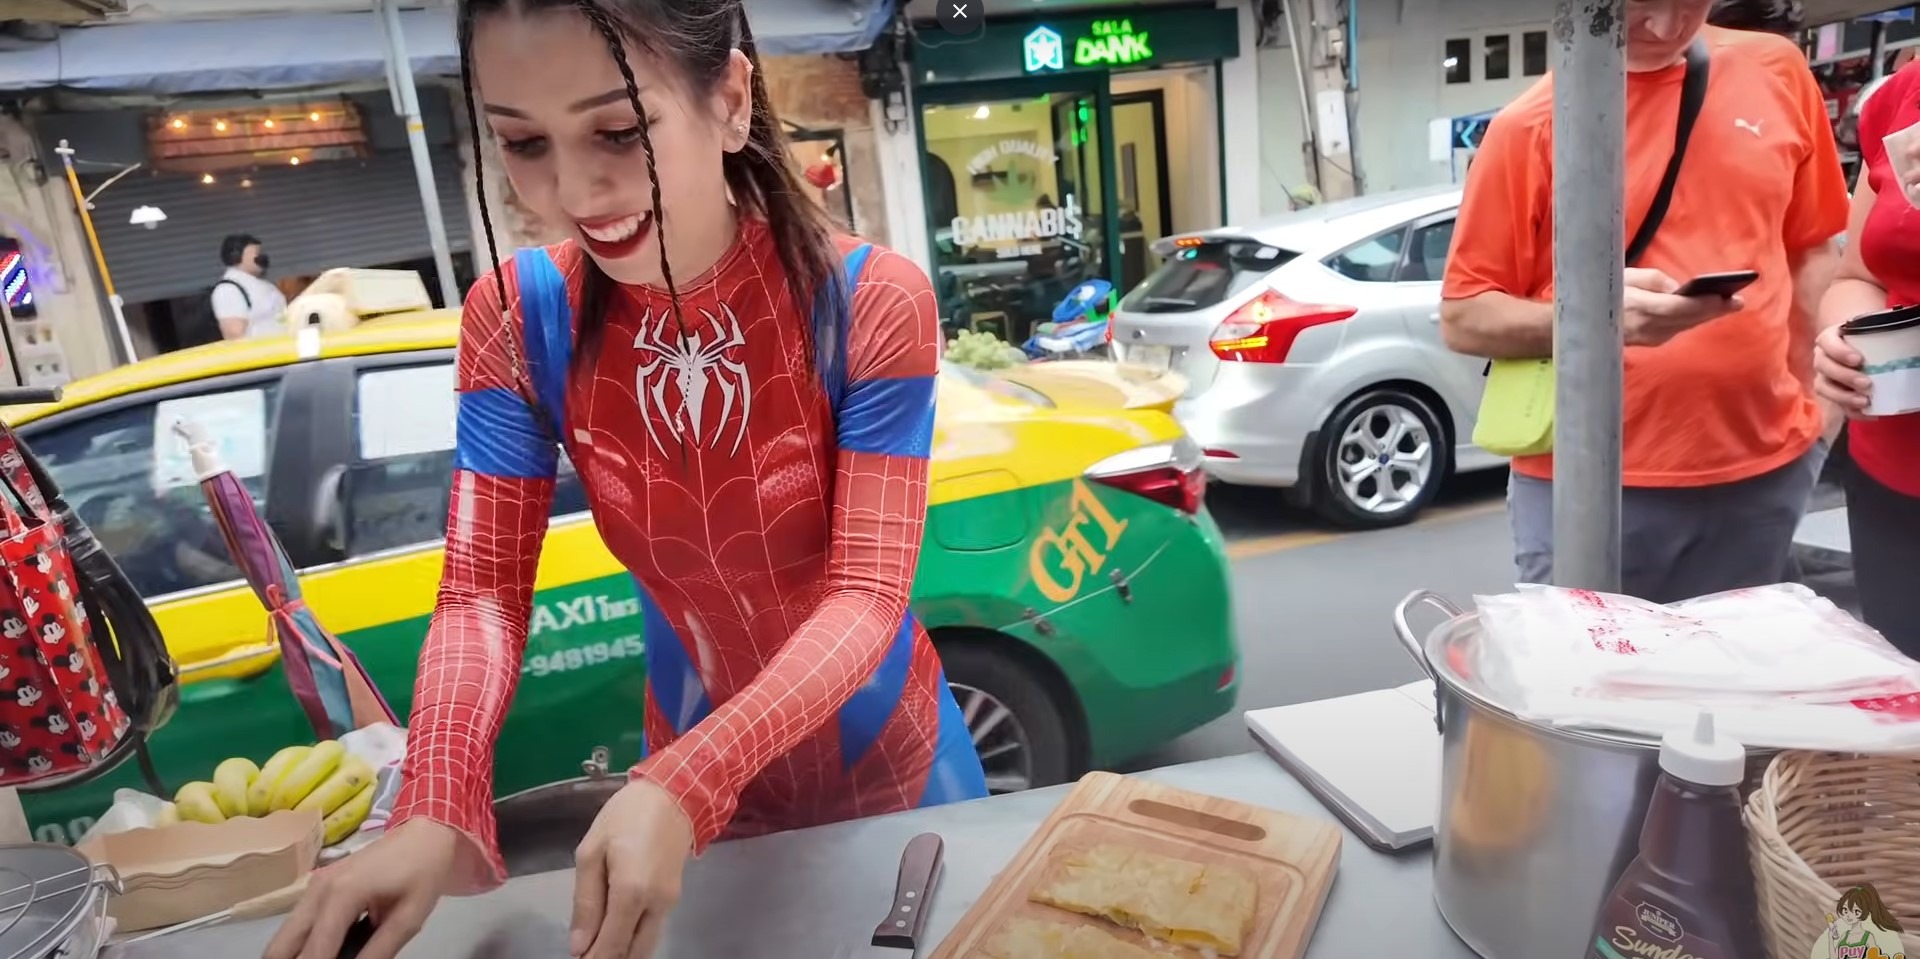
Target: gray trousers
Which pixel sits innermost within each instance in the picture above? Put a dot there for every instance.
(1677, 544)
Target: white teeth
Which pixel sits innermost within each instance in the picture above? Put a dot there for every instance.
(616, 232)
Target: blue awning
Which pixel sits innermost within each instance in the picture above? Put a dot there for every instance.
(168, 58)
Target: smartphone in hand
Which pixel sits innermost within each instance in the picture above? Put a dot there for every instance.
(1718, 284)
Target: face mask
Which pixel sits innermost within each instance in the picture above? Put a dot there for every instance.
(260, 260)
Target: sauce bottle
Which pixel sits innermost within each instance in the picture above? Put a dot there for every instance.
(1689, 893)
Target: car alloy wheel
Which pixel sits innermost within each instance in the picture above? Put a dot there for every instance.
(1385, 459)
(1380, 458)
(1006, 752)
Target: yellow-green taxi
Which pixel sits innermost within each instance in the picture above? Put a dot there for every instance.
(1071, 577)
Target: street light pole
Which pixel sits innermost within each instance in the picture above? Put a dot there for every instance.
(99, 258)
(1589, 182)
(406, 102)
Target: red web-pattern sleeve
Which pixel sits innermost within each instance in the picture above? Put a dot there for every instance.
(879, 510)
(470, 662)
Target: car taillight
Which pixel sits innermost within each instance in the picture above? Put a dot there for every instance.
(1167, 473)
(1264, 329)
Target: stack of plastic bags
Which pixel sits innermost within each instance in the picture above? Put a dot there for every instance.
(1780, 667)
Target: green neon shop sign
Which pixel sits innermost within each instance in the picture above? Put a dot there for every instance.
(1145, 38)
(1113, 43)
(1107, 43)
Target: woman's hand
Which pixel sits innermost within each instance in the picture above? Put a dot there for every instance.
(396, 882)
(627, 874)
(1837, 376)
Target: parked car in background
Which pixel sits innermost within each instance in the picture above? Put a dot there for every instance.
(1071, 578)
(1310, 344)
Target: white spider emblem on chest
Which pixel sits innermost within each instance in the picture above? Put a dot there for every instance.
(694, 362)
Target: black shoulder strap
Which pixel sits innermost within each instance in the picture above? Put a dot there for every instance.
(236, 285)
(1692, 95)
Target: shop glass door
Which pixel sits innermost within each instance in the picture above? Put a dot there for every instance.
(1016, 202)
(1142, 193)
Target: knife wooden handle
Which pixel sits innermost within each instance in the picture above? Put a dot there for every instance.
(918, 867)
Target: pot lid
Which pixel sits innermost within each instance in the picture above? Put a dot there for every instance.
(45, 892)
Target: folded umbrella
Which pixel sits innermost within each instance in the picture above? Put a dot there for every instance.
(327, 678)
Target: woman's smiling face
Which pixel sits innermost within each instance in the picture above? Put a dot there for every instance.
(559, 109)
(1851, 915)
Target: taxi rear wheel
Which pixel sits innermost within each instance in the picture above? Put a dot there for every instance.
(1019, 727)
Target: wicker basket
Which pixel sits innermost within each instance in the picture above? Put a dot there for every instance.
(1822, 823)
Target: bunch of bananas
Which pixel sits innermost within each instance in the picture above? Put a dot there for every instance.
(321, 777)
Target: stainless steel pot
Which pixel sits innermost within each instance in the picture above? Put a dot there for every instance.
(1536, 822)
(53, 902)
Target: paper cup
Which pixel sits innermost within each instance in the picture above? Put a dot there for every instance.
(1890, 342)
(1903, 155)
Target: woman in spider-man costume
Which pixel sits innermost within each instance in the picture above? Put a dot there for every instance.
(748, 400)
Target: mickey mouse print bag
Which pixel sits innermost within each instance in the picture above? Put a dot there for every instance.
(58, 714)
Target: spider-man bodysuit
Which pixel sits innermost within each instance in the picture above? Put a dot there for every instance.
(773, 538)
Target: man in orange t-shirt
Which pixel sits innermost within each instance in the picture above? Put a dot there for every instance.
(1719, 433)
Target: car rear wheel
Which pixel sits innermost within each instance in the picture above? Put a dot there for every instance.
(1018, 727)
(1381, 458)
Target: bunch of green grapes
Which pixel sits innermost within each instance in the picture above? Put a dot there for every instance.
(983, 351)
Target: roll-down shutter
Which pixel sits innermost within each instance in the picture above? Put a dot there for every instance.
(312, 217)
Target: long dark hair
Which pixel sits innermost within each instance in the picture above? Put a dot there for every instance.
(697, 38)
(1867, 900)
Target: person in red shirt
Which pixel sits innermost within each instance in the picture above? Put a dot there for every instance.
(1720, 429)
(1880, 270)
(748, 400)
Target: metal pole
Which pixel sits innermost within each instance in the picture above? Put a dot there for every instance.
(1589, 180)
(407, 104)
(99, 258)
(1307, 122)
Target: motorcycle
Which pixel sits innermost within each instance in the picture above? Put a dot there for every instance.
(1081, 326)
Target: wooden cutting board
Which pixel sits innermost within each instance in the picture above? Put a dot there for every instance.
(1293, 858)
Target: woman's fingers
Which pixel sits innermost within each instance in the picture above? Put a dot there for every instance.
(627, 902)
(292, 934)
(398, 927)
(337, 913)
(653, 926)
(589, 894)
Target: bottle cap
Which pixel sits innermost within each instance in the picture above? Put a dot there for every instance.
(1702, 757)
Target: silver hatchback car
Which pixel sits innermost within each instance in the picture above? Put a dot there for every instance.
(1311, 348)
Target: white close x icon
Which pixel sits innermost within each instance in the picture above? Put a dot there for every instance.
(960, 11)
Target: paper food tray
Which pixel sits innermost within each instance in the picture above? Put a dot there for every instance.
(187, 870)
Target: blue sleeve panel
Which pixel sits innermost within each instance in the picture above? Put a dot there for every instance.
(497, 434)
(547, 312)
(892, 416)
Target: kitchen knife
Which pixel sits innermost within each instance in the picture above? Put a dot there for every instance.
(259, 907)
(898, 936)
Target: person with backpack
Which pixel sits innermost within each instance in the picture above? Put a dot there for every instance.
(244, 303)
(747, 396)
(1730, 166)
